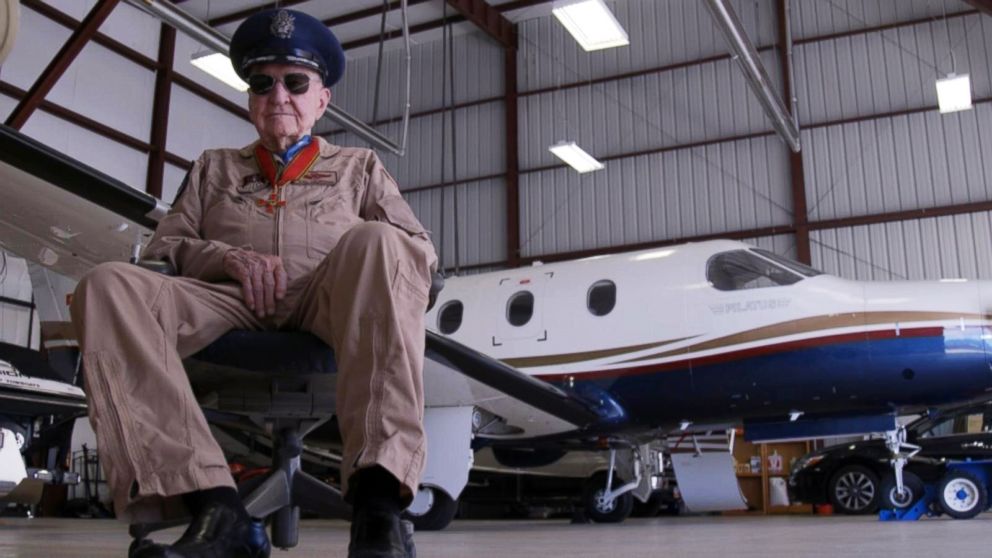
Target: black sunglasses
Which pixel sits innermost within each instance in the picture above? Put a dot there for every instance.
(296, 84)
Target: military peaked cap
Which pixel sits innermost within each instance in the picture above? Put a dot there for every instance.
(290, 37)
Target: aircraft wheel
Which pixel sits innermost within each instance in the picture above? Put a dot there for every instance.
(599, 509)
(440, 510)
(891, 499)
(961, 494)
(20, 434)
(854, 490)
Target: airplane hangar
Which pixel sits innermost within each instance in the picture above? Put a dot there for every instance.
(716, 273)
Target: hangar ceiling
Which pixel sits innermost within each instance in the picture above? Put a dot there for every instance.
(689, 154)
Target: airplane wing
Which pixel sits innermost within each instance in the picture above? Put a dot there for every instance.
(64, 214)
(71, 217)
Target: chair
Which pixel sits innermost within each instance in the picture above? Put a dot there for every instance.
(282, 379)
(285, 379)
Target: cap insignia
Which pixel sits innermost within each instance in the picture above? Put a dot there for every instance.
(283, 25)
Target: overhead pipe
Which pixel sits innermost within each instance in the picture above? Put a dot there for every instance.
(211, 38)
(754, 71)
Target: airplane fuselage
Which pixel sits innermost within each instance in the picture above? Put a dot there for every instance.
(695, 333)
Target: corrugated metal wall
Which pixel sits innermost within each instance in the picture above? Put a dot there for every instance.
(661, 33)
(937, 248)
(669, 192)
(478, 148)
(687, 192)
(858, 158)
(660, 183)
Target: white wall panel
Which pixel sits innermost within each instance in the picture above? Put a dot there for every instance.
(7, 105)
(661, 33)
(478, 75)
(480, 148)
(172, 179)
(811, 18)
(890, 70)
(701, 102)
(723, 187)
(905, 162)
(130, 26)
(937, 248)
(196, 124)
(112, 158)
(99, 84)
(38, 40)
(481, 220)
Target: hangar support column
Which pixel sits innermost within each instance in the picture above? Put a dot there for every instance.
(491, 21)
(800, 217)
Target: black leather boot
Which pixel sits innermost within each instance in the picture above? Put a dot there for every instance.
(377, 532)
(216, 532)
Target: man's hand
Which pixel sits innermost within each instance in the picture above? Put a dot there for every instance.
(262, 277)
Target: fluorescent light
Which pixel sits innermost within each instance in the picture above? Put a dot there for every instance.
(591, 23)
(954, 93)
(219, 66)
(575, 157)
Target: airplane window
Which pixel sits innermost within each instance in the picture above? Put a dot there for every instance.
(739, 269)
(449, 319)
(602, 297)
(793, 265)
(520, 308)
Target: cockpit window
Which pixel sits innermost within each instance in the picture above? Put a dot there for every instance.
(740, 269)
(799, 268)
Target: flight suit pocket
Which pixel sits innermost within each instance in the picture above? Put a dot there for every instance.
(396, 212)
(326, 218)
(229, 220)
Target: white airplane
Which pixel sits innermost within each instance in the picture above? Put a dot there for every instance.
(612, 352)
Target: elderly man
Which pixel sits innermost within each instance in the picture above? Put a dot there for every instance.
(289, 232)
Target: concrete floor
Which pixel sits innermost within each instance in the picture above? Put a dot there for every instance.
(723, 537)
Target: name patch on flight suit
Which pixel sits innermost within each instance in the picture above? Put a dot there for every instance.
(252, 184)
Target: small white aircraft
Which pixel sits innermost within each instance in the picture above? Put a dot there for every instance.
(719, 332)
(610, 352)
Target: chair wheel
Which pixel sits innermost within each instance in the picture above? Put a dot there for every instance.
(137, 545)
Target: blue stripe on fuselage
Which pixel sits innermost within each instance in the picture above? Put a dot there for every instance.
(874, 375)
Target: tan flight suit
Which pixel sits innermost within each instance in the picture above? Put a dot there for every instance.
(359, 266)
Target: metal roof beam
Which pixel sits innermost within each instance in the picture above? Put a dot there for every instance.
(984, 6)
(754, 71)
(50, 76)
(488, 19)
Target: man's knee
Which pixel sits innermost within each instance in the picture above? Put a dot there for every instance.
(106, 280)
(371, 234)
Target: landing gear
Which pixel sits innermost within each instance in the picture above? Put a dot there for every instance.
(894, 498)
(606, 498)
(600, 506)
(432, 509)
(902, 489)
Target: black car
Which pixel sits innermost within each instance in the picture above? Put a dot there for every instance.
(857, 477)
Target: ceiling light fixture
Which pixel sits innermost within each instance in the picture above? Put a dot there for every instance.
(591, 23)
(954, 93)
(575, 157)
(219, 66)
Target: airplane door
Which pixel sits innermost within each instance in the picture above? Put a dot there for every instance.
(523, 303)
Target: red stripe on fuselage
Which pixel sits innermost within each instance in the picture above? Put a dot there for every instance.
(746, 353)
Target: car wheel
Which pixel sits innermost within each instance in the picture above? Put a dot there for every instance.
(891, 499)
(439, 511)
(961, 494)
(854, 490)
(599, 509)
